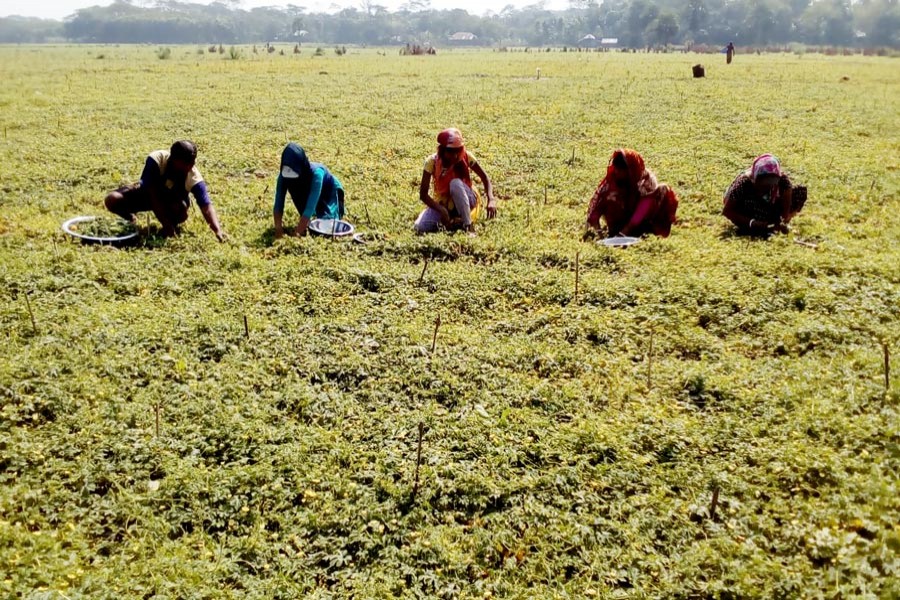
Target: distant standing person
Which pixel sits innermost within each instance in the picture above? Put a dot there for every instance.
(454, 204)
(168, 178)
(630, 200)
(729, 52)
(314, 190)
(762, 200)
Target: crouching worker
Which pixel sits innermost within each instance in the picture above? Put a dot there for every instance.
(630, 200)
(455, 204)
(762, 199)
(168, 178)
(314, 190)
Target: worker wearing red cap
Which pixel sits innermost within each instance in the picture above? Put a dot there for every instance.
(454, 204)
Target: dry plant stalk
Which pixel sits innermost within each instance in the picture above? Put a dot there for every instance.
(424, 268)
(157, 408)
(437, 324)
(415, 489)
(650, 363)
(577, 274)
(886, 351)
(714, 503)
(30, 313)
(246, 328)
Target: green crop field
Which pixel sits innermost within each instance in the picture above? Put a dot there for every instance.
(709, 416)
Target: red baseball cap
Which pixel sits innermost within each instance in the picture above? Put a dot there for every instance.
(450, 138)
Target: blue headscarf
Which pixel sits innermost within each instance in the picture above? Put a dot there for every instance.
(294, 158)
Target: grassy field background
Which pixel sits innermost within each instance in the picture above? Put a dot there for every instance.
(571, 446)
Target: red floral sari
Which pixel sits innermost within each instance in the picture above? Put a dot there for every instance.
(640, 203)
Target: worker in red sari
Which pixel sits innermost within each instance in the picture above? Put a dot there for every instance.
(630, 200)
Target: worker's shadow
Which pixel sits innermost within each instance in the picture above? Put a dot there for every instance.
(733, 233)
(266, 239)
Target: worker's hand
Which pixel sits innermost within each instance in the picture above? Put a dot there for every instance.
(445, 216)
(300, 230)
(221, 235)
(491, 208)
(760, 227)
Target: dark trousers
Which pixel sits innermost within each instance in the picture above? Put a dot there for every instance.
(135, 199)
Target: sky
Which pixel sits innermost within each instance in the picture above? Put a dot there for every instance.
(59, 9)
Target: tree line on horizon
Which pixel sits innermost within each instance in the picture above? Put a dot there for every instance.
(635, 24)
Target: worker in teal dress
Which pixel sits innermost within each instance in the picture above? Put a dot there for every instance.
(314, 190)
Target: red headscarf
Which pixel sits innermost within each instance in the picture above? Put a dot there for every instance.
(624, 194)
(634, 163)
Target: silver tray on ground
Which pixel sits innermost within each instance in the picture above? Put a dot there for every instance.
(101, 230)
(619, 241)
(331, 227)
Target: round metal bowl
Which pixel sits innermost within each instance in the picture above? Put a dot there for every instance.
(331, 227)
(619, 241)
(128, 231)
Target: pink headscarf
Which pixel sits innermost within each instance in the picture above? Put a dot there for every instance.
(764, 165)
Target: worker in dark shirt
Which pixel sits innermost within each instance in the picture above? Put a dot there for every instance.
(168, 179)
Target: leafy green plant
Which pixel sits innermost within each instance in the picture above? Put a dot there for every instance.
(184, 418)
(164, 53)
